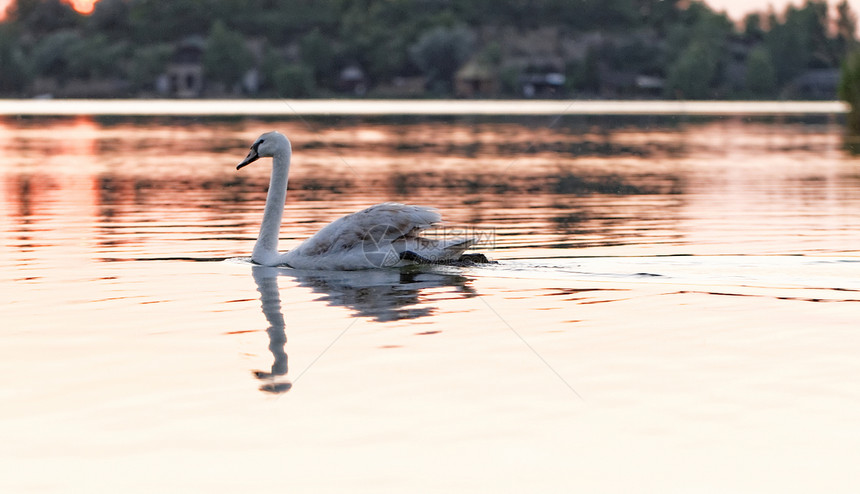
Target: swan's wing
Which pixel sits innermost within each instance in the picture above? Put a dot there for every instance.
(391, 220)
(378, 236)
(372, 228)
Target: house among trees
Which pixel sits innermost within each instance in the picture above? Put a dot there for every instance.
(542, 82)
(629, 84)
(353, 80)
(468, 48)
(475, 79)
(183, 76)
(816, 84)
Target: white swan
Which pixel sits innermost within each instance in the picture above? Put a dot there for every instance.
(384, 235)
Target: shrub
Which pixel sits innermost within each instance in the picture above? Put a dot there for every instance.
(849, 89)
(294, 81)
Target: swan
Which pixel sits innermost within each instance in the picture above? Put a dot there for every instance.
(383, 235)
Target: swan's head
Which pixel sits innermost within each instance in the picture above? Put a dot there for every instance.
(267, 145)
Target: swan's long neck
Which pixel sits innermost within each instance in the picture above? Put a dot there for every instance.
(266, 248)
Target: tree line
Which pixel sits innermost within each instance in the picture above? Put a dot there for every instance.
(300, 47)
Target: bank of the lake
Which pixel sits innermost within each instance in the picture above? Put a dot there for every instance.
(308, 107)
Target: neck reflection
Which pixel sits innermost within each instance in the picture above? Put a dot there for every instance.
(273, 381)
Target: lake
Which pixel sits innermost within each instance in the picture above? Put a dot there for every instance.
(674, 307)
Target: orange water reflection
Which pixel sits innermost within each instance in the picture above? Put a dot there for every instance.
(127, 188)
(123, 363)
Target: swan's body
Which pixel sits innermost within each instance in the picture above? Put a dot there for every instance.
(383, 235)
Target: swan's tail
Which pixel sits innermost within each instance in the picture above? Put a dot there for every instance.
(456, 247)
(425, 250)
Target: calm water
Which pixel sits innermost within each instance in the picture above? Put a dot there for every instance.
(675, 308)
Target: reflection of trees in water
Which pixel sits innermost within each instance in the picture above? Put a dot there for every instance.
(381, 295)
(144, 216)
(220, 199)
(567, 208)
(561, 181)
(28, 200)
(231, 194)
(596, 226)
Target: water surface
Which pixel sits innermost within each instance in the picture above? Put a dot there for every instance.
(674, 308)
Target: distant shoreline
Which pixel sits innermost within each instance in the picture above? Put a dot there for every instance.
(337, 107)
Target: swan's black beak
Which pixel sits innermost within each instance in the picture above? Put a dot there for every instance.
(252, 157)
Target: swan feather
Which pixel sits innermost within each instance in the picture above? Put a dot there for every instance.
(375, 237)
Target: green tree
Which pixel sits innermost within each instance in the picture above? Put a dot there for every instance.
(227, 57)
(753, 30)
(846, 29)
(584, 76)
(111, 18)
(692, 75)
(66, 54)
(15, 74)
(789, 48)
(698, 24)
(96, 57)
(697, 52)
(849, 90)
(801, 41)
(294, 81)
(280, 21)
(318, 54)
(760, 73)
(51, 56)
(272, 61)
(390, 38)
(440, 52)
(660, 15)
(147, 63)
(41, 17)
(378, 35)
(159, 20)
(814, 19)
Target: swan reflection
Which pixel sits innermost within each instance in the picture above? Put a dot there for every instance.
(381, 295)
(267, 284)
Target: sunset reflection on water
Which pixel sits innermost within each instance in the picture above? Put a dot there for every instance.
(578, 185)
(674, 305)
